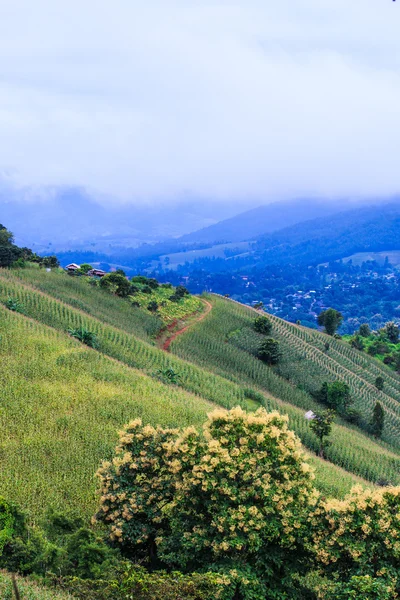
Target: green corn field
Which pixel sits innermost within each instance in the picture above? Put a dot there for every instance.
(62, 403)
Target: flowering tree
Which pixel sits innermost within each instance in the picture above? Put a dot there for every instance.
(233, 501)
(356, 542)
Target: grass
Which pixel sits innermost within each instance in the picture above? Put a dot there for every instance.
(167, 310)
(61, 407)
(28, 589)
(63, 403)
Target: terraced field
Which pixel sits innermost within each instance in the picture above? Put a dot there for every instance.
(71, 399)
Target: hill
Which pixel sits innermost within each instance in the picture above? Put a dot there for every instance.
(264, 219)
(216, 371)
(64, 402)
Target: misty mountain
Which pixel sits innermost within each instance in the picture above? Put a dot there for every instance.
(371, 228)
(264, 219)
(69, 218)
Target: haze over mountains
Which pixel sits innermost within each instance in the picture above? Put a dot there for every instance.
(70, 218)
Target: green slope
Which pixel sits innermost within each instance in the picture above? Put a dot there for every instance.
(62, 403)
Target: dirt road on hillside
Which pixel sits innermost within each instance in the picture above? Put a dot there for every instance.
(175, 334)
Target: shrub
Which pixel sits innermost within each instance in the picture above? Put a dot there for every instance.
(14, 305)
(357, 342)
(168, 375)
(152, 306)
(116, 284)
(181, 291)
(83, 335)
(146, 289)
(219, 503)
(263, 325)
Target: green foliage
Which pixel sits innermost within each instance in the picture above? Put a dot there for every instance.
(84, 268)
(29, 589)
(379, 383)
(15, 306)
(218, 503)
(364, 330)
(378, 420)
(263, 325)
(50, 262)
(330, 319)
(336, 395)
(357, 342)
(356, 542)
(391, 331)
(116, 284)
(168, 376)
(269, 352)
(83, 335)
(152, 306)
(134, 582)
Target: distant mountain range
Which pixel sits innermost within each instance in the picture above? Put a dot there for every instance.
(264, 219)
(70, 218)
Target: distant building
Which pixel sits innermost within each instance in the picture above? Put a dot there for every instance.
(96, 273)
(72, 267)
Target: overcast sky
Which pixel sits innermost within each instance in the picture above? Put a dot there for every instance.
(223, 99)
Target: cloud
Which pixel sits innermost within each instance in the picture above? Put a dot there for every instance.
(158, 99)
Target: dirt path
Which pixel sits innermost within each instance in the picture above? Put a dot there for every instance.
(175, 334)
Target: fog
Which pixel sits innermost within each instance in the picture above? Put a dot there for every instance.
(158, 100)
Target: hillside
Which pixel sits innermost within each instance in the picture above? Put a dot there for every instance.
(214, 370)
(264, 219)
(64, 402)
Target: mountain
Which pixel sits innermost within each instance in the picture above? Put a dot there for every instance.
(264, 219)
(373, 228)
(70, 218)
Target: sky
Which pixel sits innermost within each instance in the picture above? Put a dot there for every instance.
(228, 100)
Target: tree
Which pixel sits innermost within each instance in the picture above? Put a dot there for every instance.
(355, 542)
(379, 383)
(263, 325)
(330, 319)
(269, 351)
(84, 268)
(336, 395)
(219, 502)
(392, 332)
(378, 420)
(364, 330)
(321, 425)
(116, 283)
(181, 291)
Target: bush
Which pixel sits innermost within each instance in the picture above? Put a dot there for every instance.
(263, 325)
(14, 305)
(146, 289)
(152, 306)
(168, 376)
(116, 284)
(181, 291)
(83, 335)
(219, 502)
